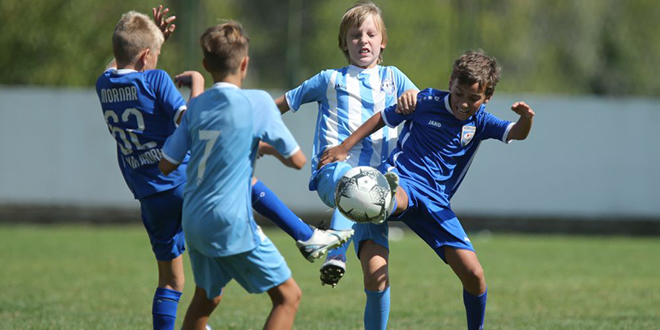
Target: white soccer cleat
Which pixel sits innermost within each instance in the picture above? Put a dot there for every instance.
(393, 181)
(323, 241)
(332, 271)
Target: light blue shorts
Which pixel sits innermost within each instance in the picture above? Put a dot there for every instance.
(257, 271)
(326, 181)
(161, 216)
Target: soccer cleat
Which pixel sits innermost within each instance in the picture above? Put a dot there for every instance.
(332, 271)
(393, 181)
(323, 241)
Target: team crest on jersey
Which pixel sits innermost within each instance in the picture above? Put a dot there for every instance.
(387, 86)
(467, 133)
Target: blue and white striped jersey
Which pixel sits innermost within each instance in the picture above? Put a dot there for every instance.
(347, 97)
(436, 149)
(141, 110)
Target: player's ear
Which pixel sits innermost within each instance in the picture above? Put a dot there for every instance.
(206, 66)
(244, 66)
(142, 58)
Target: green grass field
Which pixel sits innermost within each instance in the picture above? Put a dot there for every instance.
(84, 277)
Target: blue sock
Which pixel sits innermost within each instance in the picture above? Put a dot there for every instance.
(377, 310)
(339, 222)
(164, 308)
(267, 204)
(475, 309)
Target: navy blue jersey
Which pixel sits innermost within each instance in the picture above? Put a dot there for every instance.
(435, 149)
(141, 110)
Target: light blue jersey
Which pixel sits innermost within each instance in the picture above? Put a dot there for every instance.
(222, 129)
(141, 110)
(435, 149)
(348, 97)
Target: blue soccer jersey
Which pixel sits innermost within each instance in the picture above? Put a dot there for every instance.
(222, 129)
(346, 98)
(141, 110)
(435, 149)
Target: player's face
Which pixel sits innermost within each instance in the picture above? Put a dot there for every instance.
(465, 100)
(364, 43)
(152, 59)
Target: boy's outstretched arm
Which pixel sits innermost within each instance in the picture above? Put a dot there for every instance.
(297, 160)
(339, 153)
(521, 129)
(282, 104)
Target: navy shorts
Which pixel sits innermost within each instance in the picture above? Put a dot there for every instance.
(161, 216)
(437, 225)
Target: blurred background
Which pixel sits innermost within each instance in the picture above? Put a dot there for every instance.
(589, 69)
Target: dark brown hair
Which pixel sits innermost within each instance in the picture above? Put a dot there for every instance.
(477, 67)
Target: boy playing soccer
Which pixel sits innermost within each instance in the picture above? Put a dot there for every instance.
(141, 107)
(438, 145)
(222, 130)
(347, 97)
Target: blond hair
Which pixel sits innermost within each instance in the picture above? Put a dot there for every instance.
(355, 16)
(134, 33)
(224, 46)
(475, 66)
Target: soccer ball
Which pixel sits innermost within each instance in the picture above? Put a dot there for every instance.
(363, 194)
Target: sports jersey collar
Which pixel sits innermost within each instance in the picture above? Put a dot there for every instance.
(223, 84)
(447, 106)
(358, 69)
(123, 71)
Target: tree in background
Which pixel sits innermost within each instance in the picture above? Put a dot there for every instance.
(603, 47)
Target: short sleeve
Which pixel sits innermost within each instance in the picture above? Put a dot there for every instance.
(177, 145)
(393, 119)
(403, 83)
(168, 97)
(313, 89)
(495, 128)
(269, 126)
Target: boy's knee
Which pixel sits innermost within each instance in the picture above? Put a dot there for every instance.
(326, 181)
(475, 282)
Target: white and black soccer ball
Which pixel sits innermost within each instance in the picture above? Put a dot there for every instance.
(363, 194)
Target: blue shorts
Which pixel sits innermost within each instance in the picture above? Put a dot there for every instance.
(161, 216)
(438, 226)
(257, 271)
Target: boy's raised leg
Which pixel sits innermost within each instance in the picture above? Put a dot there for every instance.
(312, 243)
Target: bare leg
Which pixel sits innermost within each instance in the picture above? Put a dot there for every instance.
(373, 258)
(170, 274)
(468, 269)
(199, 310)
(285, 298)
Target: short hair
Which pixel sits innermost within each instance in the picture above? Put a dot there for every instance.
(355, 16)
(224, 46)
(477, 67)
(133, 33)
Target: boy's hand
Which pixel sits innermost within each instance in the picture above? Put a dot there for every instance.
(522, 109)
(406, 103)
(331, 155)
(188, 79)
(164, 24)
